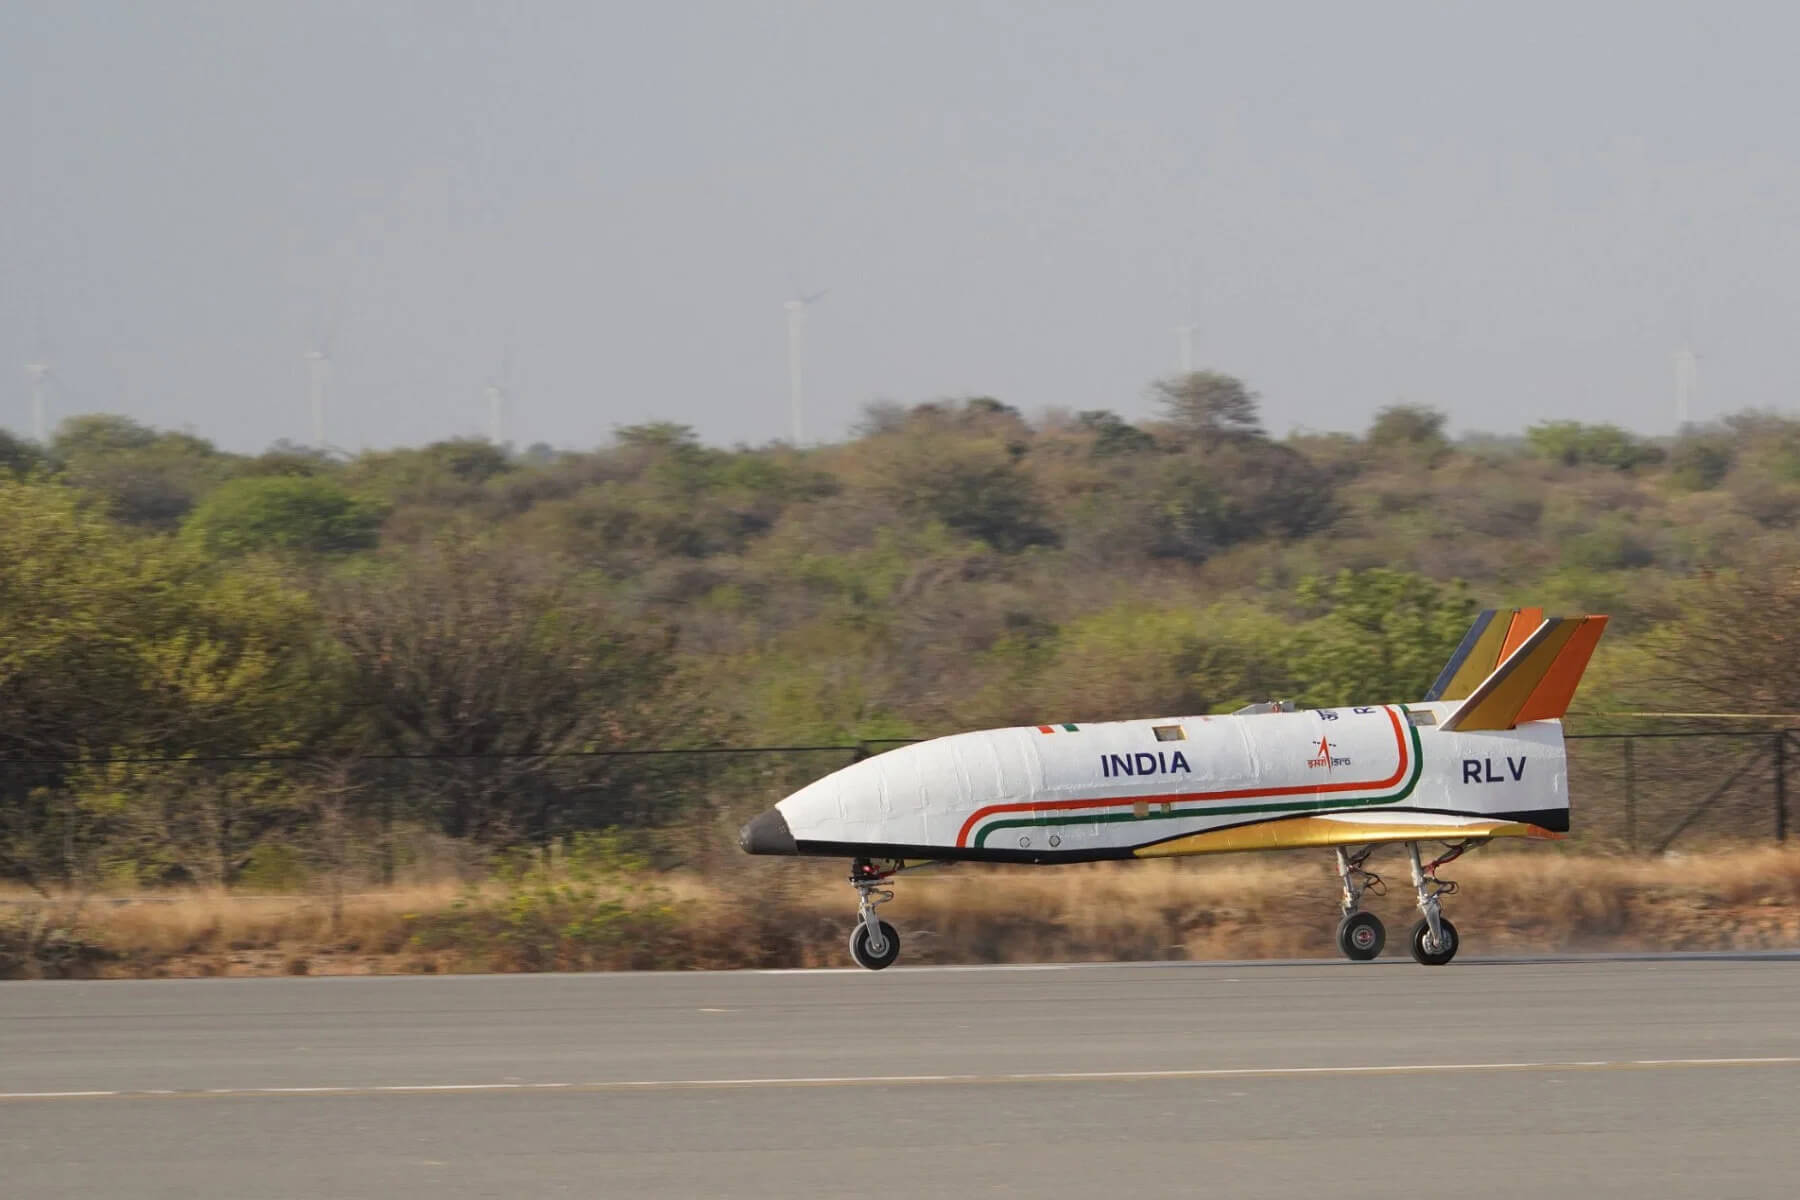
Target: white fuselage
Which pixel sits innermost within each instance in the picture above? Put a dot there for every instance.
(1184, 785)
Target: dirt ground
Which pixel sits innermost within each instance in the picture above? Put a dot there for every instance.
(1536, 899)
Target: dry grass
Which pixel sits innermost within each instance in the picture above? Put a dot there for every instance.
(797, 914)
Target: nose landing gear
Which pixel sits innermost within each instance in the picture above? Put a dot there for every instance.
(874, 943)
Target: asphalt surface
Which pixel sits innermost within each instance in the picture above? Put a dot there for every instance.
(1547, 1078)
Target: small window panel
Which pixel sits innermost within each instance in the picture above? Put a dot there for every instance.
(1169, 733)
(1422, 718)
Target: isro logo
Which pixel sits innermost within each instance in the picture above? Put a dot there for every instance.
(1323, 756)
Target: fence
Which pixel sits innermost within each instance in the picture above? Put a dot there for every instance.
(225, 819)
(1648, 791)
(230, 818)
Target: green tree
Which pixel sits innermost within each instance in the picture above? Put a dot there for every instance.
(658, 435)
(1734, 645)
(1210, 407)
(98, 434)
(18, 458)
(1700, 462)
(300, 513)
(450, 473)
(1379, 636)
(143, 477)
(1410, 429)
(1137, 659)
(121, 645)
(1112, 434)
(1574, 444)
(68, 673)
(974, 486)
(492, 657)
(290, 458)
(1237, 493)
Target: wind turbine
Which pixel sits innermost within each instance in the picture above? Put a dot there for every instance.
(796, 333)
(499, 398)
(318, 377)
(318, 383)
(1687, 385)
(41, 375)
(1184, 333)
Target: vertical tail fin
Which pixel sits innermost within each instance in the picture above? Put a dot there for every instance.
(1475, 656)
(1525, 622)
(1496, 633)
(1536, 677)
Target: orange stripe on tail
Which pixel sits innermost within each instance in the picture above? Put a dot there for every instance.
(1536, 677)
(1552, 696)
(1525, 622)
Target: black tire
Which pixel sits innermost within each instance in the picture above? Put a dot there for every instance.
(1442, 954)
(1361, 936)
(859, 946)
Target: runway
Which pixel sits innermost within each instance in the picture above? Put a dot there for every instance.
(1586, 1077)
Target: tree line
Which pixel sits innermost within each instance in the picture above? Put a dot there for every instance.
(219, 667)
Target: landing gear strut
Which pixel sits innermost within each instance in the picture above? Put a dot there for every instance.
(1360, 935)
(873, 942)
(1434, 941)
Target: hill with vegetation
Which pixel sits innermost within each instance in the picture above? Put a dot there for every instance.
(259, 669)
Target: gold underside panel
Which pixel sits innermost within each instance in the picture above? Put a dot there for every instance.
(1291, 832)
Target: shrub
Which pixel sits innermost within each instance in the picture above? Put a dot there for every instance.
(1573, 444)
(303, 513)
(583, 905)
(1700, 463)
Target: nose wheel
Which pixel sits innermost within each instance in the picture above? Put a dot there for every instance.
(872, 954)
(874, 943)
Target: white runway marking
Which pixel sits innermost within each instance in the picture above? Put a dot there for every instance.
(665, 1085)
(930, 969)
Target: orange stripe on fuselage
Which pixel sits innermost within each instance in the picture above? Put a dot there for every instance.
(980, 814)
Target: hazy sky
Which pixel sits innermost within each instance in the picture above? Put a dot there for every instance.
(1511, 211)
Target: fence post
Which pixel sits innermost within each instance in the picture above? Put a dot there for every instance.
(1781, 740)
(387, 837)
(1630, 801)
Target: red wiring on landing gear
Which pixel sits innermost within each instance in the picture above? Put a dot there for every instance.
(1456, 852)
(863, 871)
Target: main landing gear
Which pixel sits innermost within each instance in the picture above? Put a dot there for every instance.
(1433, 939)
(1360, 935)
(873, 942)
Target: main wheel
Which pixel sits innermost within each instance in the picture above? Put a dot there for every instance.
(1361, 936)
(1434, 956)
(859, 946)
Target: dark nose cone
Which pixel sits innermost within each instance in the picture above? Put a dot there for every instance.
(767, 834)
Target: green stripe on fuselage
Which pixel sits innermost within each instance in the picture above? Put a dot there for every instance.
(1284, 806)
